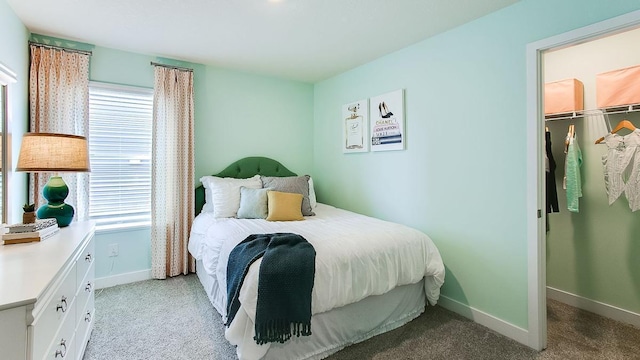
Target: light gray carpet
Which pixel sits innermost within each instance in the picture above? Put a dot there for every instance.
(578, 334)
(173, 319)
(157, 319)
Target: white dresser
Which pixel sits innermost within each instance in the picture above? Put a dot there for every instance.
(47, 295)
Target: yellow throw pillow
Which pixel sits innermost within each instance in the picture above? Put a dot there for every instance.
(284, 206)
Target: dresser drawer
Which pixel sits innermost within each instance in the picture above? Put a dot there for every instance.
(85, 325)
(63, 346)
(85, 260)
(86, 289)
(57, 310)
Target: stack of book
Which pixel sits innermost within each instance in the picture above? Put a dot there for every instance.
(37, 231)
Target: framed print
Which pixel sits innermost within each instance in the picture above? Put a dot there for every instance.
(355, 132)
(387, 121)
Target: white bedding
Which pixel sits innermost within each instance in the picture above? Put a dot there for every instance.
(356, 257)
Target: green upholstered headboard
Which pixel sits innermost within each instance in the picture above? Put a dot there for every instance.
(246, 168)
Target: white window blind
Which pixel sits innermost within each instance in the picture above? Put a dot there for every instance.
(120, 151)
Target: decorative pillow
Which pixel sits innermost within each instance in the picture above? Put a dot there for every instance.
(225, 193)
(253, 203)
(291, 184)
(284, 206)
(312, 194)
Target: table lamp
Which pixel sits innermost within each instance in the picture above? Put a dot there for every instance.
(46, 152)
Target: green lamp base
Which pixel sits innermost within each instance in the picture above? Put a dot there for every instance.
(63, 213)
(55, 191)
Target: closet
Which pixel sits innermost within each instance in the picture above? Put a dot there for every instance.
(593, 252)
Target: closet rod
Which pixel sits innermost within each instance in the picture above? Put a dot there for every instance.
(85, 52)
(172, 67)
(574, 115)
(583, 113)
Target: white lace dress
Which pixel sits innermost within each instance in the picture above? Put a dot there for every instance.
(622, 167)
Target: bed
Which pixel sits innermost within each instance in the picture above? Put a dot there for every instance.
(371, 276)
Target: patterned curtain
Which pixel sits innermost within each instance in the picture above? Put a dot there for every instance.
(172, 183)
(59, 103)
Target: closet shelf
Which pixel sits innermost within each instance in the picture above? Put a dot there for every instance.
(603, 111)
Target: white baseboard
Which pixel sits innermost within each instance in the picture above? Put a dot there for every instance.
(500, 326)
(595, 307)
(126, 278)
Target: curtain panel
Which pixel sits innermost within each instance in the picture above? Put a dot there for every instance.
(59, 103)
(172, 174)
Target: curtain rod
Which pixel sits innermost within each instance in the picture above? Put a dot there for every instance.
(172, 67)
(85, 52)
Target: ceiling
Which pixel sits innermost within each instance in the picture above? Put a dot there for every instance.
(306, 40)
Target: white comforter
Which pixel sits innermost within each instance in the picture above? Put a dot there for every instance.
(356, 256)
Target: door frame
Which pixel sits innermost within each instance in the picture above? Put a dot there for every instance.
(536, 223)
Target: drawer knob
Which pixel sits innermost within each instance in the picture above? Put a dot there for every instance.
(88, 287)
(62, 349)
(62, 305)
(88, 258)
(87, 317)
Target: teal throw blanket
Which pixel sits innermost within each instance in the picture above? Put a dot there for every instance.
(284, 286)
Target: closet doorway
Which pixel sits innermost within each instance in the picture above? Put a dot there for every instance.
(591, 246)
(586, 258)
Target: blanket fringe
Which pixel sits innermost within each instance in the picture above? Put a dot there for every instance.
(280, 331)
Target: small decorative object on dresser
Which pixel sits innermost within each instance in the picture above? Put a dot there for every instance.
(36, 231)
(39, 224)
(29, 215)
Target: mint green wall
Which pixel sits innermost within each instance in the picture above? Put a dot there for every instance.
(462, 177)
(236, 115)
(15, 55)
(249, 115)
(134, 252)
(593, 253)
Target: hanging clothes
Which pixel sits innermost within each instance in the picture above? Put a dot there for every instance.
(550, 167)
(572, 179)
(622, 167)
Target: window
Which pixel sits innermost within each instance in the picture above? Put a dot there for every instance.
(120, 119)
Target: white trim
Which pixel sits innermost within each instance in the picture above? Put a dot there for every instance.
(535, 186)
(6, 75)
(116, 228)
(500, 326)
(596, 307)
(121, 87)
(536, 306)
(126, 278)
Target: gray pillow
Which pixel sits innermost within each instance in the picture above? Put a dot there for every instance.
(253, 203)
(291, 184)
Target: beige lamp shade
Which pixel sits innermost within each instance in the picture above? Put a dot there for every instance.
(53, 152)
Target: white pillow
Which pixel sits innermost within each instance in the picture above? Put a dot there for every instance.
(208, 197)
(312, 194)
(225, 194)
